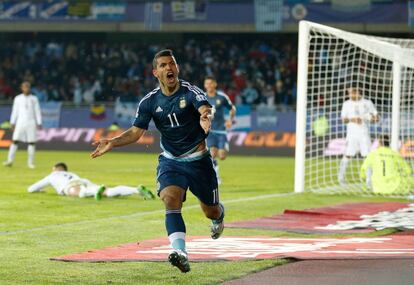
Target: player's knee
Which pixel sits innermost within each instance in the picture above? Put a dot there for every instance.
(171, 201)
(213, 152)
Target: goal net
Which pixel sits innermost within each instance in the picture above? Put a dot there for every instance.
(333, 63)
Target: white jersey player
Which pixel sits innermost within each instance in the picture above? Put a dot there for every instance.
(25, 120)
(357, 113)
(69, 184)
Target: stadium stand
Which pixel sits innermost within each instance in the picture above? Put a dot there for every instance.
(252, 71)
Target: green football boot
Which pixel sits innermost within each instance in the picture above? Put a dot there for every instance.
(145, 193)
(99, 193)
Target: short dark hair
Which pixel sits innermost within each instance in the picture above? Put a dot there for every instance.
(161, 53)
(385, 139)
(354, 89)
(353, 86)
(26, 82)
(210, 77)
(62, 165)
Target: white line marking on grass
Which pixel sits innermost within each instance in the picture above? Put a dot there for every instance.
(141, 214)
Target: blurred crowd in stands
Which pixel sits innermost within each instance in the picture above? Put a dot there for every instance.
(251, 71)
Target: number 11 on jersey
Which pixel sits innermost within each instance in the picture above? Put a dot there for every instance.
(173, 120)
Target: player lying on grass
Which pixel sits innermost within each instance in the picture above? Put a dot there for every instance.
(69, 184)
(182, 115)
(386, 171)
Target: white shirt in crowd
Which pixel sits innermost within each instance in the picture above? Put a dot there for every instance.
(363, 109)
(26, 111)
(58, 180)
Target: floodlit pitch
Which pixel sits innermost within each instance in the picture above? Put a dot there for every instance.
(35, 227)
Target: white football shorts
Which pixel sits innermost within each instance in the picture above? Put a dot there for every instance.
(358, 144)
(25, 133)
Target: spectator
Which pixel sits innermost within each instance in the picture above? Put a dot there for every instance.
(250, 94)
(280, 92)
(40, 92)
(88, 94)
(53, 93)
(77, 91)
(269, 96)
(90, 70)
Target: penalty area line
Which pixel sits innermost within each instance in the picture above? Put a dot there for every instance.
(141, 214)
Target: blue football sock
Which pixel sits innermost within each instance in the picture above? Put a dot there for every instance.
(175, 226)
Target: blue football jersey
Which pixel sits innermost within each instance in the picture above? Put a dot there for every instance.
(176, 117)
(220, 102)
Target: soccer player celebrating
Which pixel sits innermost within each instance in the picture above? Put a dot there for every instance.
(69, 184)
(356, 113)
(181, 113)
(217, 138)
(25, 120)
(386, 171)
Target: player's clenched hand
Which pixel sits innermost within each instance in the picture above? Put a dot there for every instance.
(205, 122)
(356, 120)
(102, 146)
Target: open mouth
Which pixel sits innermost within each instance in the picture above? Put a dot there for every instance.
(170, 76)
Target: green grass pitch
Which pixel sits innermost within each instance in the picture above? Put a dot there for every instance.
(34, 227)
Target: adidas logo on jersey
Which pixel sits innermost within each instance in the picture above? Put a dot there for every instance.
(159, 109)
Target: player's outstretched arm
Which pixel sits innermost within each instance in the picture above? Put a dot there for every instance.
(131, 135)
(205, 117)
(39, 185)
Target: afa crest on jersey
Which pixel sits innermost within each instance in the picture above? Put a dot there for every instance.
(182, 103)
(218, 102)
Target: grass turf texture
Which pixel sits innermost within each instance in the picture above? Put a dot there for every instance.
(34, 227)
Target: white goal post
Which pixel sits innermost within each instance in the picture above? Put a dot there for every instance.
(331, 60)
